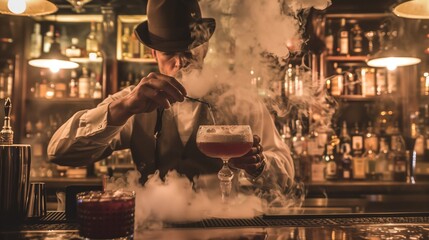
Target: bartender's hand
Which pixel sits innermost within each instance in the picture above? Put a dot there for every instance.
(251, 162)
(154, 91)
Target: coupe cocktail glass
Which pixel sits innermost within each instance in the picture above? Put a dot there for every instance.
(106, 214)
(224, 142)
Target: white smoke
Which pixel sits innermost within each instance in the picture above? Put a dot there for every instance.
(176, 199)
(245, 31)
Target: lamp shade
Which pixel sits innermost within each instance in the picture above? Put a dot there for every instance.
(416, 9)
(53, 60)
(27, 7)
(392, 58)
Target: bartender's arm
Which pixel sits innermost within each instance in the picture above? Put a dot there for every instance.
(275, 168)
(93, 134)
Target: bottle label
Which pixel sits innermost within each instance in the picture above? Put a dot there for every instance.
(357, 142)
(346, 174)
(337, 85)
(371, 143)
(317, 169)
(359, 168)
(344, 43)
(331, 169)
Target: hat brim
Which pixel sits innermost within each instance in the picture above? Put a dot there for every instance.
(143, 35)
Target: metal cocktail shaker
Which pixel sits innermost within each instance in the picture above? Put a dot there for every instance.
(15, 160)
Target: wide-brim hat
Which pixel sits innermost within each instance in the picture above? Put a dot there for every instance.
(174, 26)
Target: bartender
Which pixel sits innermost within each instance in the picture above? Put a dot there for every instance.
(157, 122)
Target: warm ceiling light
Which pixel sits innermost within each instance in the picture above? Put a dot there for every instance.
(27, 7)
(392, 58)
(416, 9)
(53, 60)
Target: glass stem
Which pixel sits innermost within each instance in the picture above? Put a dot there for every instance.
(225, 176)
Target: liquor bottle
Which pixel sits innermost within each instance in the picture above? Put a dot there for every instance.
(92, 83)
(299, 147)
(392, 81)
(345, 140)
(91, 41)
(318, 166)
(83, 84)
(99, 34)
(61, 86)
(331, 165)
(329, 38)
(419, 145)
(371, 139)
(74, 50)
(350, 82)
(286, 135)
(343, 39)
(97, 91)
(337, 82)
(43, 86)
(2, 86)
(9, 79)
(357, 141)
(400, 161)
(347, 166)
(381, 81)
(73, 85)
(356, 40)
(289, 81)
(370, 159)
(64, 39)
(36, 42)
(426, 132)
(298, 82)
(48, 39)
(126, 53)
(345, 153)
(135, 46)
(424, 84)
(299, 142)
(384, 162)
(368, 81)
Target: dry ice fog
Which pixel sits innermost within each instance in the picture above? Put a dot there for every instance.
(250, 46)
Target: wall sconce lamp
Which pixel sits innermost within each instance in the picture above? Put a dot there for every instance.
(53, 60)
(392, 58)
(27, 7)
(390, 55)
(415, 9)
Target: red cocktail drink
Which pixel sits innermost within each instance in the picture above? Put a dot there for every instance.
(224, 149)
(106, 215)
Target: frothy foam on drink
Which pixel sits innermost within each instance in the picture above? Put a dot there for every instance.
(225, 138)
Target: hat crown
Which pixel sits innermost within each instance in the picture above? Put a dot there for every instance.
(172, 18)
(174, 25)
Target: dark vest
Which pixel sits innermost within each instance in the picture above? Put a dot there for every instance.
(185, 159)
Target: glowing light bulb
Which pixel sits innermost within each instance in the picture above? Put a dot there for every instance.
(17, 6)
(54, 69)
(391, 67)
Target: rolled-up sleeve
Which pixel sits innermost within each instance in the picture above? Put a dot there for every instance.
(86, 137)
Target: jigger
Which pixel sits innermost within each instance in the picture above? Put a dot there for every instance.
(37, 200)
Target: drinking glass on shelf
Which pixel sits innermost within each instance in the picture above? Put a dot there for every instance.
(106, 214)
(224, 142)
